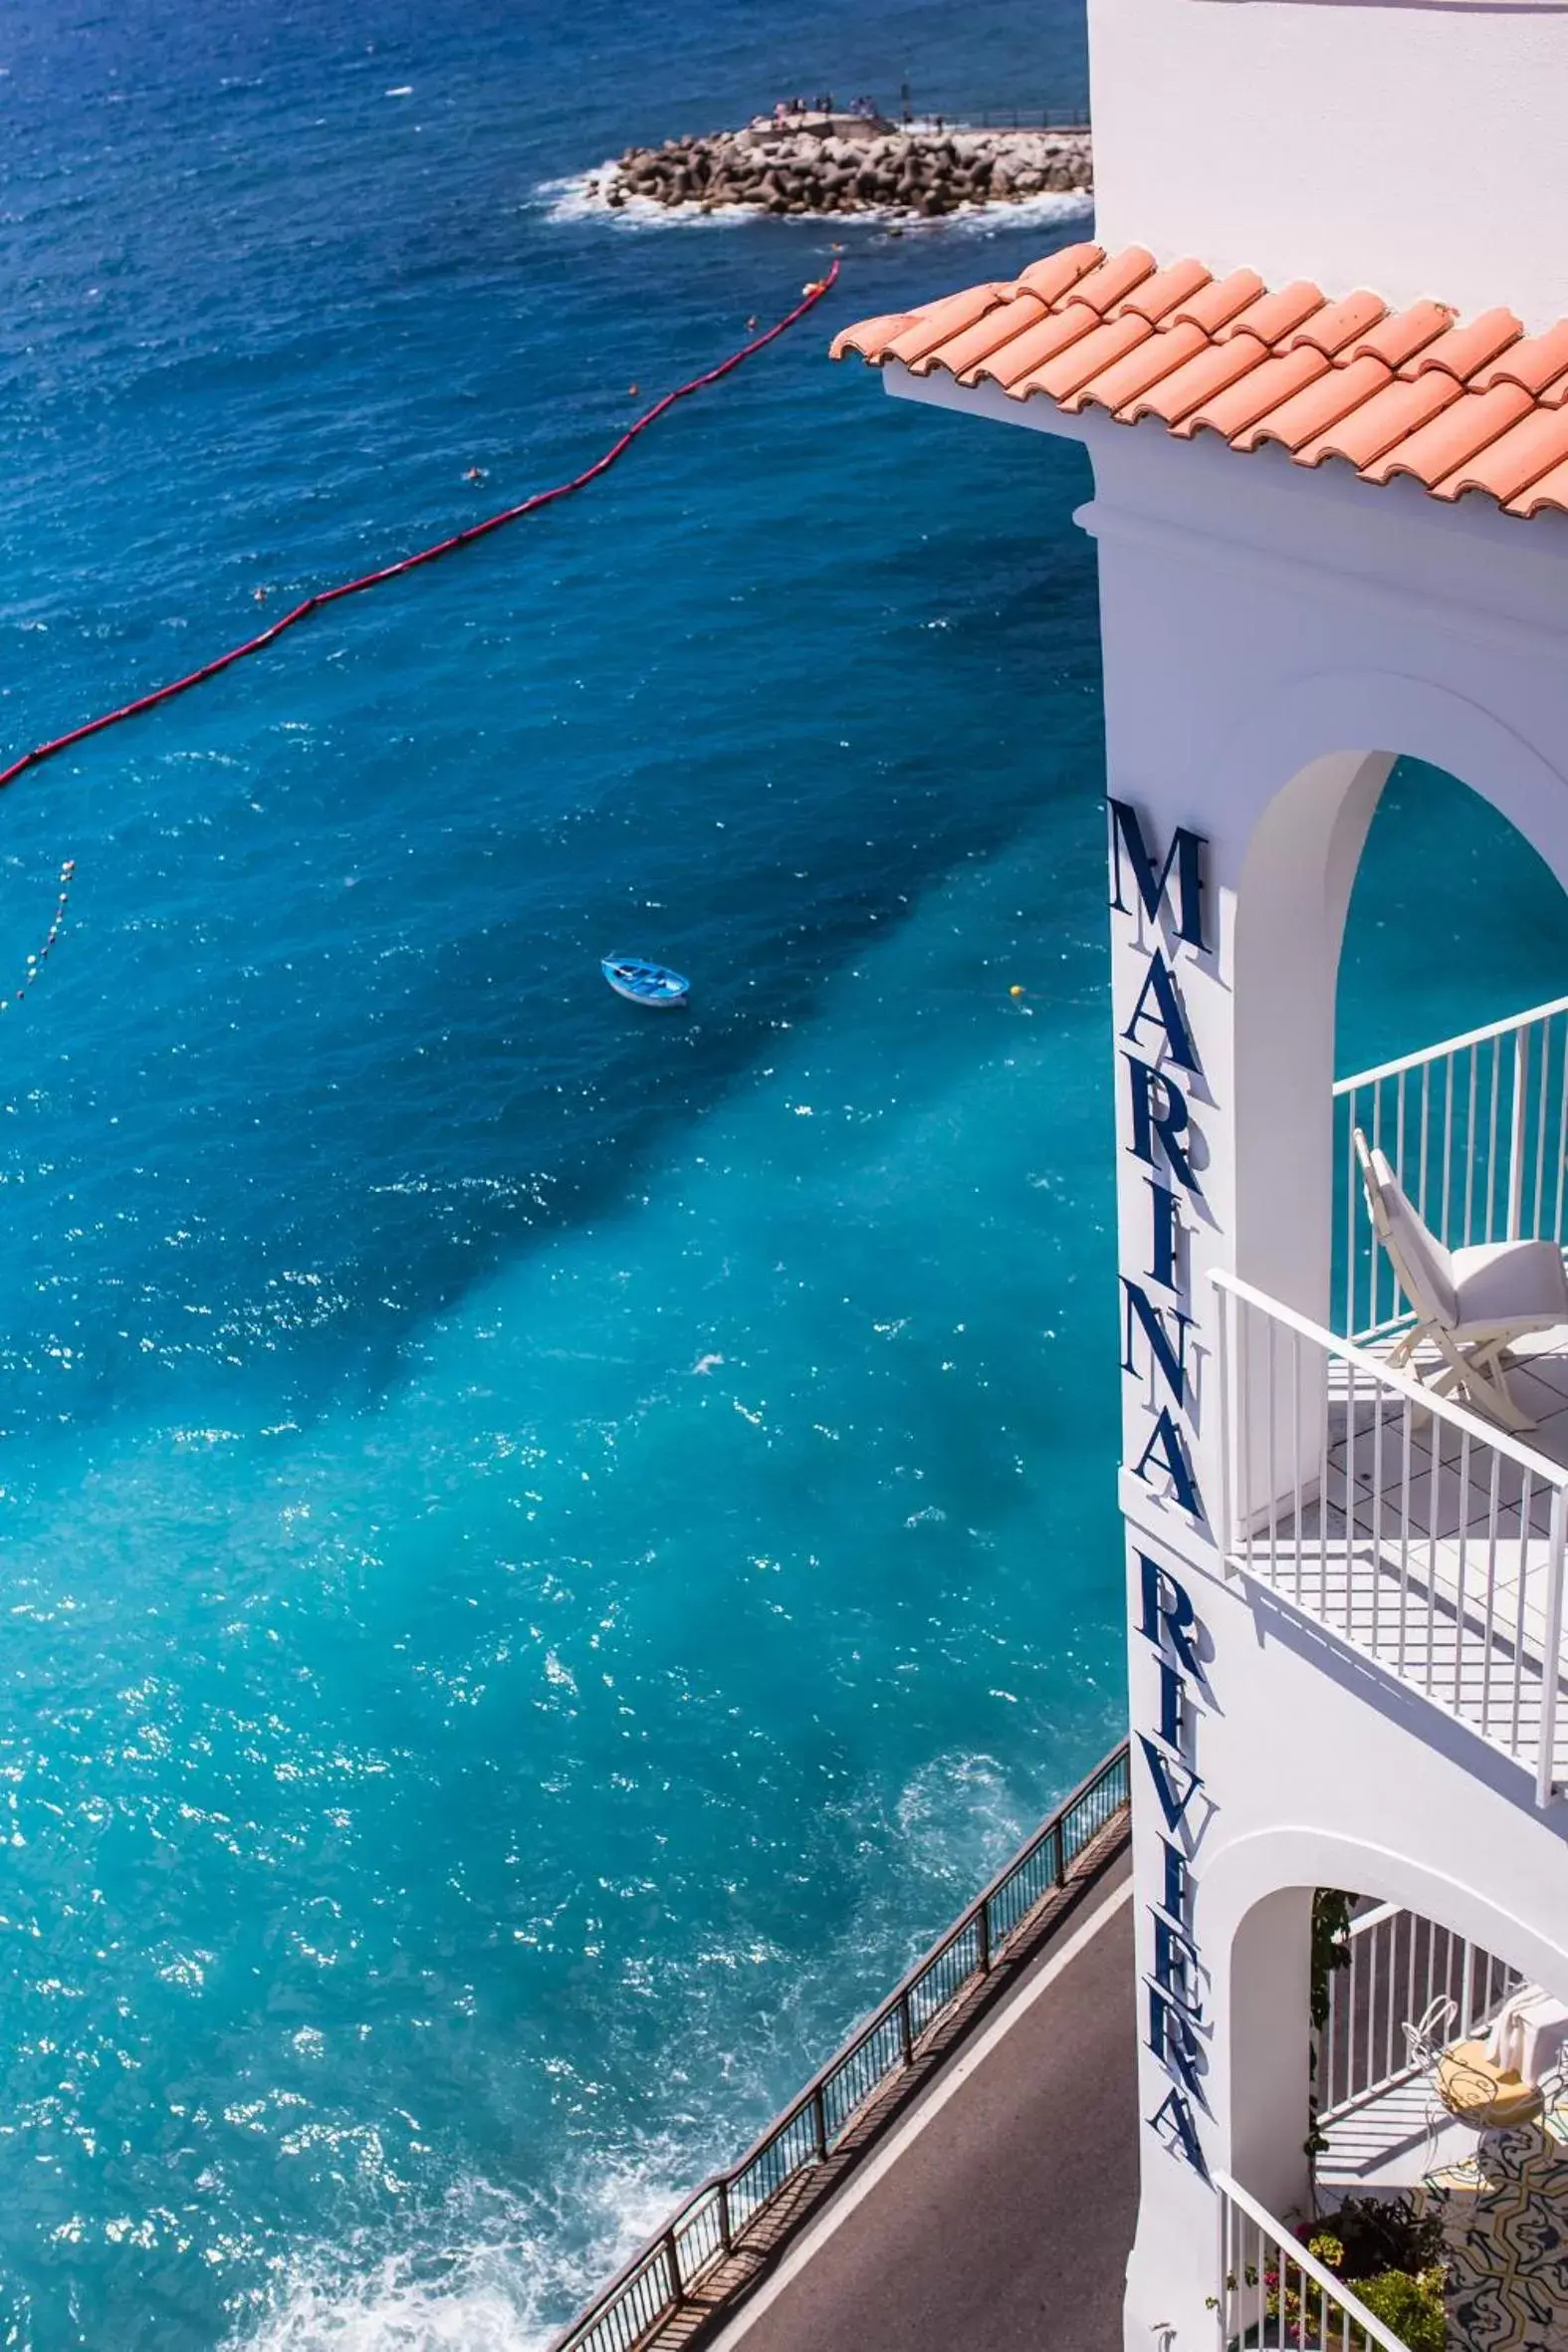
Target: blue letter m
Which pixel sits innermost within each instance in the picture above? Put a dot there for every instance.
(1185, 853)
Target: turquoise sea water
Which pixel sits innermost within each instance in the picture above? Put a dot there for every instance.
(545, 1551)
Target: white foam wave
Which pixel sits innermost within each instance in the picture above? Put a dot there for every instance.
(490, 2273)
(582, 197)
(960, 1816)
(1052, 205)
(392, 2312)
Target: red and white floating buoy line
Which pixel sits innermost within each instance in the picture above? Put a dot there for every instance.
(810, 296)
(39, 956)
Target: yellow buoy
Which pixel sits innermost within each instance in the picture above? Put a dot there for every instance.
(1015, 990)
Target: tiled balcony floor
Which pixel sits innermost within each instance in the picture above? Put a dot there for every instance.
(1392, 2141)
(1430, 1550)
(1501, 2199)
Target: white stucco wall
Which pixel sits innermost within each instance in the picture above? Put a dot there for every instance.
(1416, 148)
(1311, 1777)
(1271, 639)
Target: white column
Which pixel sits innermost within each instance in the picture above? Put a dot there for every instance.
(1225, 944)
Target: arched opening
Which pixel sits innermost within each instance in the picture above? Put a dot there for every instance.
(1383, 904)
(1396, 1367)
(1429, 950)
(1456, 930)
(1400, 2102)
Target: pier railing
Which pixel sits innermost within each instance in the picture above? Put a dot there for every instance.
(1063, 118)
(670, 2271)
(1477, 1128)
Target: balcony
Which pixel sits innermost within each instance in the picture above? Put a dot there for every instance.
(1413, 1526)
(1443, 2083)
(1479, 2194)
(1384, 2125)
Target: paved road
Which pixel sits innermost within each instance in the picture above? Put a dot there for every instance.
(1008, 2221)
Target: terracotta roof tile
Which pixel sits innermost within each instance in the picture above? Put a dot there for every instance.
(1113, 277)
(1320, 404)
(1533, 363)
(1515, 459)
(1164, 290)
(1456, 433)
(1402, 334)
(1550, 489)
(1083, 360)
(1272, 315)
(1217, 303)
(1058, 273)
(1197, 381)
(1338, 323)
(940, 321)
(1254, 396)
(1463, 406)
(988, 335)
(1464, 349)
(871, 337)
(1389, 416)
(1159, 357)
(1008, 365)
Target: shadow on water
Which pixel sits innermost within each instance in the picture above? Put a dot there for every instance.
(338, 962)
(326, 1042)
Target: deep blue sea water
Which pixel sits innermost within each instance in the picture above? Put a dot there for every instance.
(545, 1552)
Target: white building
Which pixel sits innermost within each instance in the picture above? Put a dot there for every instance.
(1318, 358)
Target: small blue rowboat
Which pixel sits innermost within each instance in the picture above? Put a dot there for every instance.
(645, 984)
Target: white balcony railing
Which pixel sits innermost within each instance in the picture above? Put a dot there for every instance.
(1383, 2123)
(1477, 1128)
(1275, 2293)
(1398, 1964)
(1425, 1537)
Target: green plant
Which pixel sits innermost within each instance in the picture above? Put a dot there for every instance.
(1331, 1909)
(1410, 2304)
(1411, 2307)
(1385, 2233)
(1317, 2141)
(1330, 1945)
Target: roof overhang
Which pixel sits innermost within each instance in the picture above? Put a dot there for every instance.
(1475, 410)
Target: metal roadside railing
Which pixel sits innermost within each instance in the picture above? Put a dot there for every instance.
(682, 2267)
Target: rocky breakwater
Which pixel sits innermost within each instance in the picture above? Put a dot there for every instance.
(845, 163)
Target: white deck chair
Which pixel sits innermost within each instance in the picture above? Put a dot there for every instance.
(1471, 1304)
